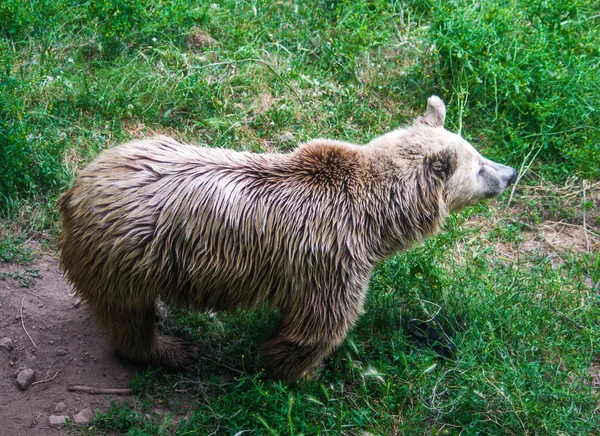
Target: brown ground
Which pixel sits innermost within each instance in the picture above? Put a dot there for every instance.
(67, 341)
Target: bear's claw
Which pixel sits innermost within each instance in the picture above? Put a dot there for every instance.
(174, 353)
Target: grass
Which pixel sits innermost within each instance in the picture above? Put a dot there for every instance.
(489, 328)
(464, 334)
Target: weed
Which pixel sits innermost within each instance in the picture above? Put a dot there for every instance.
(26, 278)
(12, 249)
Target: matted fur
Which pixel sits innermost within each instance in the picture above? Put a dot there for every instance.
(214, 229)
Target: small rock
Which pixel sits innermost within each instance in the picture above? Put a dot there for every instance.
(287, 137)
(25, 378)
(57, 420)
(83, 417)
(61, 352)
(51, 342)
(60, 407)
(6, 343)
(29, 356)
(11, 363)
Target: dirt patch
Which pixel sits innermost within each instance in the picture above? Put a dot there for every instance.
(594, 372)
(552, 221)
(67, 342)
(198, 40)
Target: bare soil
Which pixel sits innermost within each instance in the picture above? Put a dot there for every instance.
(67, 342)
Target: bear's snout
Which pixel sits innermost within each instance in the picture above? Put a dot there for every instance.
(498, 175)
(513, 177)
(508, 175)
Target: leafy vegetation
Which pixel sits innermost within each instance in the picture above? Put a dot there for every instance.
(25, 278)
(486, 329)
(13, 249)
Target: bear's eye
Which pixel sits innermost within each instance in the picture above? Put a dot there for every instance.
(481, 170)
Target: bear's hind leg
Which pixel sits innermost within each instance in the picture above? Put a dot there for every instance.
(135, 337)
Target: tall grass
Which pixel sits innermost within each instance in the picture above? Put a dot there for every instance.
(80, 76)
(527, 75)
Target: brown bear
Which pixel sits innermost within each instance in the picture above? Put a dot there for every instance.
(214, 229)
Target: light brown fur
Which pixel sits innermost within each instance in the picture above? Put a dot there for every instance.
(214, 229)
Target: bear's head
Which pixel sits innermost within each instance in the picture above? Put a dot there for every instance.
(468, 176)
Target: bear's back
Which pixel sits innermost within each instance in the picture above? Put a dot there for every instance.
(214, 224)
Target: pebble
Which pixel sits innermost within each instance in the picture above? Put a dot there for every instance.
(25, 378)
(83, 417)
(287, 137)
(60, 407)
(57, 420)
(61, 352)
(6, 343)
(29, 356)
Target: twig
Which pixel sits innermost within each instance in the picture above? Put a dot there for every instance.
(587, 238)
(23, 324)
(47, 380)
(562, 223)
(224, 365)
(97, 391)
(578, 324)
(524, 168)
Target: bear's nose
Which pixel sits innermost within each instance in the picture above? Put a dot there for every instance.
(512, 177)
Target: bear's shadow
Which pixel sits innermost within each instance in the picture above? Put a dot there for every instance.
(420, 332)
(229, 342)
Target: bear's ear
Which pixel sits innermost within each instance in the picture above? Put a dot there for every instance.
(443, 163)
(436, 113)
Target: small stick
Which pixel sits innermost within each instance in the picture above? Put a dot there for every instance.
(578, 324)
(562, 223)
(96, 391)
(587, 238)
(47, 380)
(227, 366)
(524, 168)
(23, 324)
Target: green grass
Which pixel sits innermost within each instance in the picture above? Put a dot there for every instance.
(524, 335)
(78, 77)
(13, 249)
(478, 331)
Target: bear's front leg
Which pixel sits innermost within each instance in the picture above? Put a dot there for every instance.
(289, 360)
(303, 340)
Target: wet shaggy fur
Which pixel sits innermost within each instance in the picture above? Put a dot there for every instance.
(214, 229)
